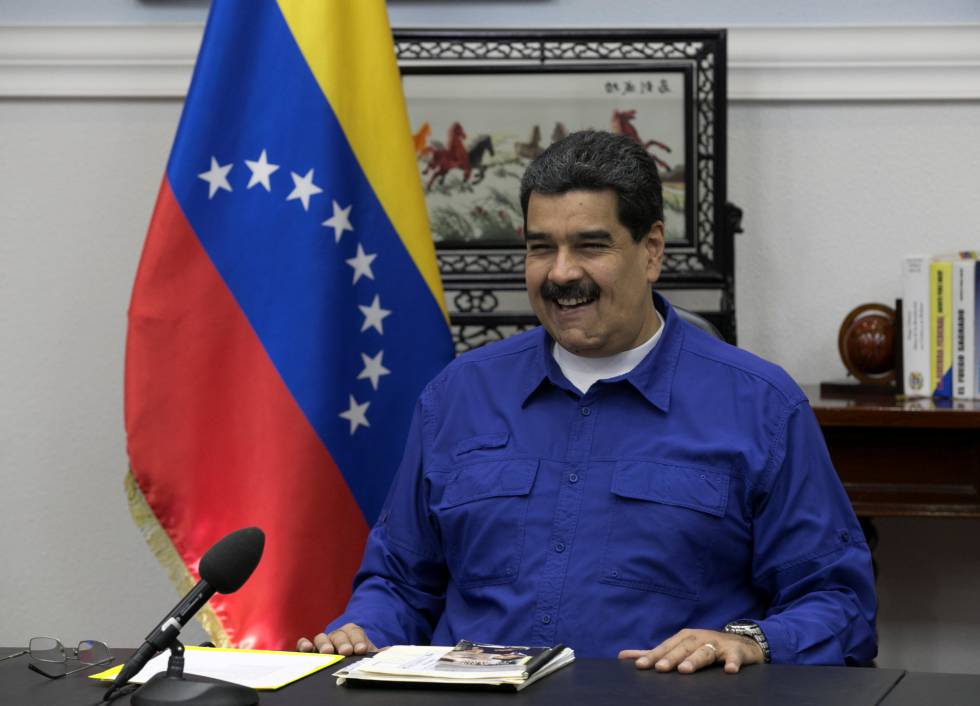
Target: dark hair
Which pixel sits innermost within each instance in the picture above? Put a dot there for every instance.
(591, 160)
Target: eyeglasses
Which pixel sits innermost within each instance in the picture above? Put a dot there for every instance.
(50, 658)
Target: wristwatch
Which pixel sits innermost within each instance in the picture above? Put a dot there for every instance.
(750, 629)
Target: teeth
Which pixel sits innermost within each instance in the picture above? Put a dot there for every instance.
(573, 302)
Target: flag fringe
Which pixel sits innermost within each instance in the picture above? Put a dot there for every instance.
(163, 549)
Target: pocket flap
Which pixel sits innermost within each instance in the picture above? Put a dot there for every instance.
(483, 441)
(490, 479)
(682, 486)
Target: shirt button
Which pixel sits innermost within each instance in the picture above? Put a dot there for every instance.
(545, 619)
(573, 478)
(559, 547)
(586, 411)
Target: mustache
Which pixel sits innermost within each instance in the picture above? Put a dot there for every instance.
(582, 289)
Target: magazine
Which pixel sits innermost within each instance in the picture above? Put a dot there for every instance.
(467, 663)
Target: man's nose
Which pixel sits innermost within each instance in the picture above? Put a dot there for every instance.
(565, 268)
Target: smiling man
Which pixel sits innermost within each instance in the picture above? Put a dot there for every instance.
(615, 480)
(588, 279)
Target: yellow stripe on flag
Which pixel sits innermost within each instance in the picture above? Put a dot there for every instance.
(348, 46)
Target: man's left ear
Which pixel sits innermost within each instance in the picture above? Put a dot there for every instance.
(653, 243)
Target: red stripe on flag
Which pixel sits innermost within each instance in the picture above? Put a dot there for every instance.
(217, 443)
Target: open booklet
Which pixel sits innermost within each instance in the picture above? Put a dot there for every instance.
(468, 663)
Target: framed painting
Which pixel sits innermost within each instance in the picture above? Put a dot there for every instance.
(482, 105)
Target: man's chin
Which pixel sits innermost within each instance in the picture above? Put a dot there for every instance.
(574, 341)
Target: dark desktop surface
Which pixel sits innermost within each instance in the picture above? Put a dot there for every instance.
(595, 682)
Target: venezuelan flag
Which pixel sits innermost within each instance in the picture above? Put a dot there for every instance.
(286, 312)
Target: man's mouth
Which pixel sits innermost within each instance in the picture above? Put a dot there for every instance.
(570, 296)
(573, 302)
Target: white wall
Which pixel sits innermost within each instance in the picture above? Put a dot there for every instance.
(834, 193)
(537, 13)
(78, 180)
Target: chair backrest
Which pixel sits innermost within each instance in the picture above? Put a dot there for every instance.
(699, 321)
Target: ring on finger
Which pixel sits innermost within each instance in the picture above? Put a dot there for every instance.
(714, 650)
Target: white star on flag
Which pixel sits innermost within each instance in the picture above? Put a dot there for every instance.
(339, 221)
(356, 414)
(373, 369)
(362, 264)
(216, 177)
(261, 170)
(373, 315)
(303, 188)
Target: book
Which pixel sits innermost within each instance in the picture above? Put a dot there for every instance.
(964, 329)
(916, 367)
(940, 327)
(465, 664)
(976, 331)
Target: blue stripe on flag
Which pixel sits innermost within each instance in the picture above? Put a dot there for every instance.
(253, 91)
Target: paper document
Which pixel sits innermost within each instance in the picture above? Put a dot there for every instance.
(259, 669)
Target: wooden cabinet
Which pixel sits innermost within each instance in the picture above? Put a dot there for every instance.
(896, 457)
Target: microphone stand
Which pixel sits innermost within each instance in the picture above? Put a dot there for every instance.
(174, 688)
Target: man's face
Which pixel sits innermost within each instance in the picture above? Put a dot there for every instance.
(588, 280)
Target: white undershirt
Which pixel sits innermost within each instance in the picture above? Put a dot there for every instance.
(584, 372)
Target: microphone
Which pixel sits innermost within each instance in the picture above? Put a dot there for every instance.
(223, 568)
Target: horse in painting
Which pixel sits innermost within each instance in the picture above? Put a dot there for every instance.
(455, 156)
(622, 124)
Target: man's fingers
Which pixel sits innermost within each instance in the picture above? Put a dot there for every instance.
(346, 640)
(342, 644)
(360, 640)
(677, 654)
(689, 651)
(742, 652)
(646, 658)
(632, 654)
(672, 652)
(733, 663)
(323, 644)
(703, 656)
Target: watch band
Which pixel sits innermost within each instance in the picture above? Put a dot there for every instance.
(751, 629)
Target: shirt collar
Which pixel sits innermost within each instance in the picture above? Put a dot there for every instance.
(543, 366)
(653, 377)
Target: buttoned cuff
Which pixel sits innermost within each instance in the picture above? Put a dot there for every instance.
(782, 645)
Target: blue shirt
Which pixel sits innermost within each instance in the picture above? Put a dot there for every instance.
(692, 491)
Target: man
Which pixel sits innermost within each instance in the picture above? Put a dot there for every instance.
(618, 480)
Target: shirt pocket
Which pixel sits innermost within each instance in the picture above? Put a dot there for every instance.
(482, 515)
(663, 520)
(482, 442)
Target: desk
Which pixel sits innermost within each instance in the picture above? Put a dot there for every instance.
(904, 458)
(596, 682)
(918, 688)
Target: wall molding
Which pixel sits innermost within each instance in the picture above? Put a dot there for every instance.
(854, 63)
(907, 63)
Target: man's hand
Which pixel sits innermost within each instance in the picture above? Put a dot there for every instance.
(346, 640)
(691, 650)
